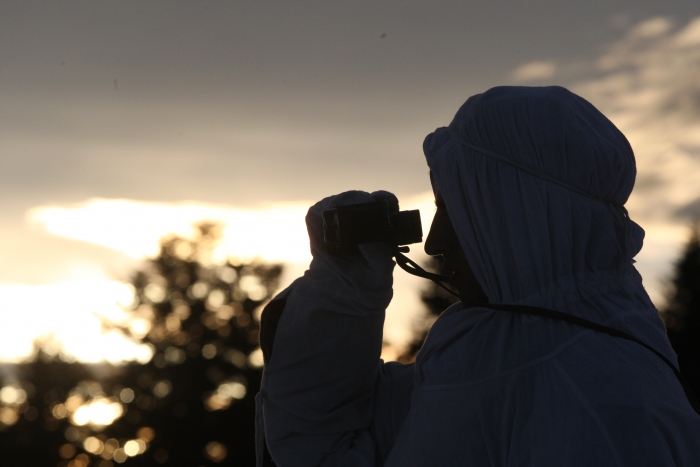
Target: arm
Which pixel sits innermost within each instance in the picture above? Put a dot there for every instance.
(324, 382)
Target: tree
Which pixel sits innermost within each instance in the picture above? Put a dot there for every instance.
(436, 300)
(191, 404)
(682, 311)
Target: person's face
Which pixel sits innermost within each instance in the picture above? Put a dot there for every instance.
(442, 241)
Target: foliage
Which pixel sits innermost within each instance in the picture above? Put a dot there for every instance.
(436, 300)
(682, 312)
(191, 404)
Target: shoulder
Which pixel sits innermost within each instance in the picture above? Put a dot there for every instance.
(469, 344)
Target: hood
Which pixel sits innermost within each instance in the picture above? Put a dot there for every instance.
(535, 181)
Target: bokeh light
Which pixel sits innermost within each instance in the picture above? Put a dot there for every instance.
(98, 412)
(215, 451)
(12, 395)
(8, 416)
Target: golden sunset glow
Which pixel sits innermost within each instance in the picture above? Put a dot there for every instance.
(273, 233)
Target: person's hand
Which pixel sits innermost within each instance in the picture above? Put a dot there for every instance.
(369, 268)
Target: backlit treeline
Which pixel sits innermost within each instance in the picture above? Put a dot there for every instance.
(191, 404)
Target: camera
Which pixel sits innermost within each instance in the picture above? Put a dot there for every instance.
(351, 225)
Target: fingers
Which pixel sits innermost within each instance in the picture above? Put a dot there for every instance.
(389, 197)
(314, 220)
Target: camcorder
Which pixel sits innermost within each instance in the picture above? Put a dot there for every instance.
(345, 227)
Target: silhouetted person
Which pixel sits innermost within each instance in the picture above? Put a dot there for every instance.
(530, 185)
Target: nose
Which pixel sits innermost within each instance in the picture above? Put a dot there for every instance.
(436, 242)
(430, 245)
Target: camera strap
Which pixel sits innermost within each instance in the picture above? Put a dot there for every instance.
(413, 268)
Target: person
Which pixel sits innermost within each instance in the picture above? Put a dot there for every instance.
(530, 187)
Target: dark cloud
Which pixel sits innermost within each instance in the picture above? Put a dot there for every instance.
(690, 211)
(241, 102)
(649, 182)
(685, 105)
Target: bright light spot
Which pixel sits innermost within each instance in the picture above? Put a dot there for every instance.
(225, 313)
(142, 446)
(119, 456)
(162, 388)
(154, 293)
(93, 445)
(209, 351)
(8, 416)
(59, 411)
(248, 282)
(199, 290)
(232, 390)
(111, 445)
(252, 286)
(183, 250)
(236, 357)
(99, 412)
(126, 395)
(12, 395)
(217, 402)
(146, 433)
(125, 296)
(255, 359)
(227, 274)
(172, 323)
(81, 460)
(66, 451)
(174, 355)
(182, 311)
(73, 402)
(139, 327)
(131, 448)
(248, 233)
(257, 293)
(215, 451)
(215, 299)
(72, 434)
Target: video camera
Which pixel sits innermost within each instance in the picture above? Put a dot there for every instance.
(354, 224)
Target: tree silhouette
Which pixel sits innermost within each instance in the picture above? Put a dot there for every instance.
(191, 404)
(682, 311)
(436, 300)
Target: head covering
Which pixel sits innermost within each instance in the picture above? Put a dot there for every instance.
(535, 181)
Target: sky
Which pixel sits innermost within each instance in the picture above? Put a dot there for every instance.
(123, 121)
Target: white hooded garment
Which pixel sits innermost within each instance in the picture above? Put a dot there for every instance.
(534, 180)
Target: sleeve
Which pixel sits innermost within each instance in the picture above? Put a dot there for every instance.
(326, 398)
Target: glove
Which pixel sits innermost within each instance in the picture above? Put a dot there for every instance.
(365, 273)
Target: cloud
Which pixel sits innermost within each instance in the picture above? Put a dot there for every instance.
(690, 36)
(212, 152)
(274, 233)
(535, 71)
(647, 84)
